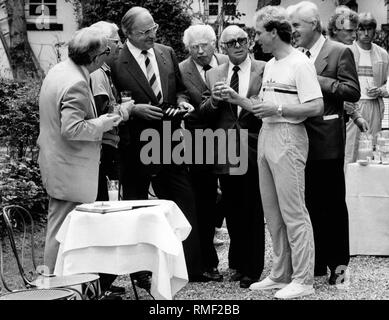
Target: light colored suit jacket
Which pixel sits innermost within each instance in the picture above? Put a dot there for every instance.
(70, 134)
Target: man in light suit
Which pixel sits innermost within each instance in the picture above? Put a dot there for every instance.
(200, 41)
(150, 71)
(244, 214)
(71, 133)
(325, 182)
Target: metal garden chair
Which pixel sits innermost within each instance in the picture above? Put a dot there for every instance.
(17, 217)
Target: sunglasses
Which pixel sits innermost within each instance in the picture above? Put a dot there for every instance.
(107, 51)
(232, 43)
(149, 31)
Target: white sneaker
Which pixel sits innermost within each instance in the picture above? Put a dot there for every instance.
(294, 290)
(267, 284)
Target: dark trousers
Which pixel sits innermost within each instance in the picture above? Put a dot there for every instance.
(171, 182)
(245, 222)
(204, 184)
(325, 198)
(108, 168)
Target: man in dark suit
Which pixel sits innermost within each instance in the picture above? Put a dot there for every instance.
(240, 188)
(150, 71)
(200, 41)
(325, 183)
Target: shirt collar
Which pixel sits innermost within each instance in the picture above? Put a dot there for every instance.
(316, 47)
(213, 64)
(243, 66)
(136, 52)
(85, 72)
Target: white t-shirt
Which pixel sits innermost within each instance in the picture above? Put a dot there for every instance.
(365, 72)
(291, 80)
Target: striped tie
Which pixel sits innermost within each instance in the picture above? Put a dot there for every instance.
(234, 84)
(152, 78)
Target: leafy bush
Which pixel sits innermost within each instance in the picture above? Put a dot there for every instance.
(20, 181)
(171, 15)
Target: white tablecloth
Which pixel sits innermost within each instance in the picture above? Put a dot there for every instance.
(367, 196)
(127, 241)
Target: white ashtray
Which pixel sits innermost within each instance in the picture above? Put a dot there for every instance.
(363, 162)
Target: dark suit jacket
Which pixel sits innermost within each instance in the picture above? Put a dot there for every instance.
(224, 118)
(127, 75)
(338, 80)
(196, 86)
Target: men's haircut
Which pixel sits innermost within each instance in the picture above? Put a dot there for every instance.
(340, 16)
(198, 31)
(308, 11)
(85, 45)
(106, 28)
(275, 17)
(367, 19)
(129, 18)
(227, 30)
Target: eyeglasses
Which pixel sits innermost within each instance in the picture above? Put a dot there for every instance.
(149, 31)
(199, 45)
(232, 43)
(107, 51)
(114, 40)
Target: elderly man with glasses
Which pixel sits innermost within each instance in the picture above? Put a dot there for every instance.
(71, 132)
(240, 188)
(150, 71)
(200, 41)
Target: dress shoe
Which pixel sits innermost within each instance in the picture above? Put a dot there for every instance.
(294, 290)
(117, 289)
(246, 282)
(237, 276)
(320, 272)
(214, 274)
(142, 279)
(267, 284)
(108, 295)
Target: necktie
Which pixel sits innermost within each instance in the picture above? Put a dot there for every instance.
(234, 84)
(308, 54)
(206, 68)
(152, 78)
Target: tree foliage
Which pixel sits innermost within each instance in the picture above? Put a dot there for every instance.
(171, 15)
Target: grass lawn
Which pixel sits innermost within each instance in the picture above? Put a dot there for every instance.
(369, 277)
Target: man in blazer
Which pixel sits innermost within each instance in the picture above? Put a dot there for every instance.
(150, 71)
(71, 133)
(200, 41)
(325, 182)
(244, 214)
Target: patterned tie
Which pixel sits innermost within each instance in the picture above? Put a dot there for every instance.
(152, 78)
(234, 84)
(308, 54)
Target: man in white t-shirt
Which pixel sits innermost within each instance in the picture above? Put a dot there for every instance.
(372, 63)
(290, 93)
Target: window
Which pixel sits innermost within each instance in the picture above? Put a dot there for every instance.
(36, 8)
(214, 7)
(41, 15)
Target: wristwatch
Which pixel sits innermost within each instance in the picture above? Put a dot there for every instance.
(279, 110)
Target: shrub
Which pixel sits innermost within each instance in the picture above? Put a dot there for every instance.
(171, 15)
(20, 181)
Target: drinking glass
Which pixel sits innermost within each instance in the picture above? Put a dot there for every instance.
(113, 190)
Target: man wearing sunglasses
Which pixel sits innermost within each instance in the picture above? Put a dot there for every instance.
(71, 132)
(150, 71)
(244, 214)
